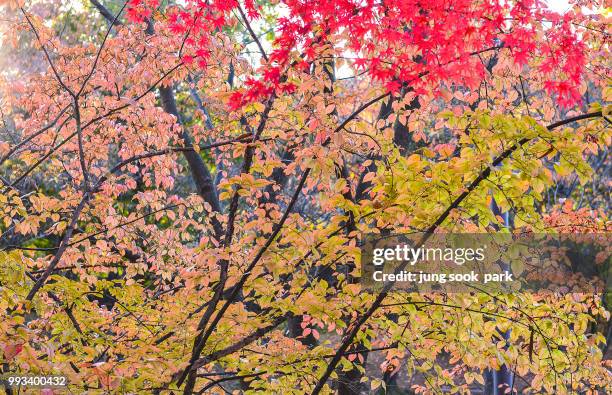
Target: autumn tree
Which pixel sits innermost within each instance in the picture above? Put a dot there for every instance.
(185, 187)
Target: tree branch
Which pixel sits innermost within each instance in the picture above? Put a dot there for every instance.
(55, 72)
(252, 33)
(62, 248)
(106, 13)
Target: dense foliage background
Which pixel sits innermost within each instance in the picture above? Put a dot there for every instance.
(185, 185)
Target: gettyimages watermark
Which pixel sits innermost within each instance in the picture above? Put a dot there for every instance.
(481, 262)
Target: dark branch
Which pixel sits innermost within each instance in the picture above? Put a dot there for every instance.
(106, 13)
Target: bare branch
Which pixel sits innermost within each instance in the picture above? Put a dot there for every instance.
(34, 135)
(95, 63)
(57, 76)
(252, 33)
(106, 13)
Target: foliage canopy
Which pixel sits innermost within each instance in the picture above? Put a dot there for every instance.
(185, 185)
